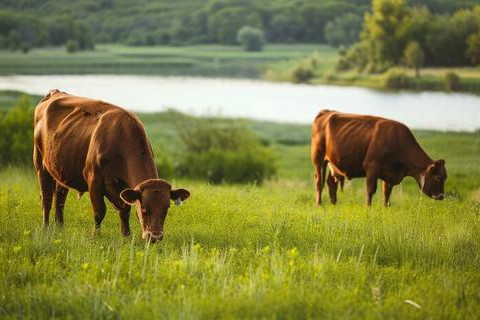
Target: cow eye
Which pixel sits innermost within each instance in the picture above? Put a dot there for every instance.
(438, 178)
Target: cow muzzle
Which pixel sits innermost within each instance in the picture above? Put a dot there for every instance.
(152, 237)
(438, 196)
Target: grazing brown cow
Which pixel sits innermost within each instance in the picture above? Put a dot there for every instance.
(365, 146)
(90, 145)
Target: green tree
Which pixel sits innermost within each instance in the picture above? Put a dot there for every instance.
(13, 40)
(16, 133)
(224, 24)
(26, 47)
(71, 46)
(285, 27)
(414, 57)
(177, 32)
(446, 42)
(473, 48)
(382, 31)
(3, 42)
(344, 30)
(251, 39)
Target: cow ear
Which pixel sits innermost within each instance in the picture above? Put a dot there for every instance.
(179, 195)
(430, 167)
(129, 196)
(440, 162)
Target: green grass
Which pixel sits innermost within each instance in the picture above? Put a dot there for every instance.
(323, 72)
(246, 251)
(431, 79)
(203, 60)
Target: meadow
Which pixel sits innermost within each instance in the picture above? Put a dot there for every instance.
(201, 60)
(253, 251)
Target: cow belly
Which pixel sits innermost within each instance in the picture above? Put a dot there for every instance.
(67, 175)
(343, 167)
(65, 161)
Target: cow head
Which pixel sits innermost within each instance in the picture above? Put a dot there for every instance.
(152, 200)
(434, 180)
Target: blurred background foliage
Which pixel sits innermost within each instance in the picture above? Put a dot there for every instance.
(16, 133)
(204, 148)
(388, 26)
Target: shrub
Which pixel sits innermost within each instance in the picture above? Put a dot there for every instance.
(165, 168)
(302, 73)
(251, 39)
(414, 57)
(452, 81)
(26, 47)
(16, 133)
(226, 166)
(354, 57)
(396, 79)
(71, 46)
(223, 153)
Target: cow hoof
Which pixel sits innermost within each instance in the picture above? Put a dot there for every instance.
(96, 232)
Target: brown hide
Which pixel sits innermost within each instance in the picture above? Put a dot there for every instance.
(91, 145)
(376, 148)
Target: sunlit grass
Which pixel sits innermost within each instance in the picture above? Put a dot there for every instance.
(248, 251)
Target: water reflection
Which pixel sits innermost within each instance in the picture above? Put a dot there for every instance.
(259, 99)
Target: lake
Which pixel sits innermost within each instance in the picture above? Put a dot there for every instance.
(261, 100)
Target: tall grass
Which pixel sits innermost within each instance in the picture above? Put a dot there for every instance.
(254, 252)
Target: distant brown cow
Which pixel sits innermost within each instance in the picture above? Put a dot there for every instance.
(90, 145)
(376, 148)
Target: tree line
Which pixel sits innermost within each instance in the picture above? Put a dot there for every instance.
(33, 23)
(23, 31)
(395, 33)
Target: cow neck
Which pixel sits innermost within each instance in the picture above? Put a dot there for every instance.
(418, 164)
(140, 167)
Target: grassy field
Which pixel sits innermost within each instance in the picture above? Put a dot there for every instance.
(205, 60)
(247, 251)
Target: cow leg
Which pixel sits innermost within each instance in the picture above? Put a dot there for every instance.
(318, 183)
(113, 194)
(372, 177)
(60, 196)
(47, 186)
(387, 191)
(96, 189)
(332, 188)
(341, 180)
(318, 189)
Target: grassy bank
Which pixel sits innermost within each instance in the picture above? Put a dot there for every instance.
(247, 251)
(308, 63)
(204, 60)
(319, 68)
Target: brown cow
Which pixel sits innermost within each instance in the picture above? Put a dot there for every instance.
(366, 146)
(90, 145)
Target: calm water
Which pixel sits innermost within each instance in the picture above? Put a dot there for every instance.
(259, 99)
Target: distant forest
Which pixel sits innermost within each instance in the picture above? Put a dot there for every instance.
(78, 25)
